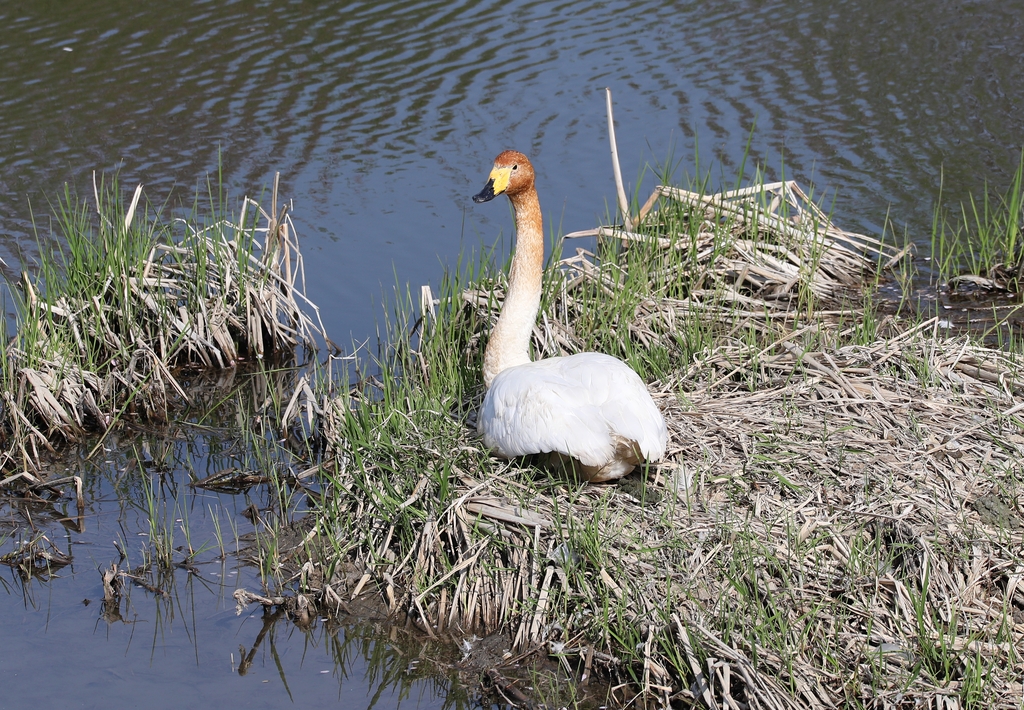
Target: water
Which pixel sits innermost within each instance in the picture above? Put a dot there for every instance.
(181, 642)
(383, 119)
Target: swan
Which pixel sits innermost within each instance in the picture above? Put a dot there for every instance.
(590, 410)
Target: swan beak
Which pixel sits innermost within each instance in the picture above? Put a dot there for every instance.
(485, 195)
(497, 183)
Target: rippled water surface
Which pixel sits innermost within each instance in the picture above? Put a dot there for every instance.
(383, 119)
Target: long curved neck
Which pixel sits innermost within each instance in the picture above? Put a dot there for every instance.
(510, 340)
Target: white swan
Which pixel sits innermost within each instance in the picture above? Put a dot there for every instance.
(589, 407)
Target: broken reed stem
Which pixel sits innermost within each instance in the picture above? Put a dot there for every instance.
(620, 190)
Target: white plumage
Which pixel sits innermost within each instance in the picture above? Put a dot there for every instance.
(590, 408)
(587, 406)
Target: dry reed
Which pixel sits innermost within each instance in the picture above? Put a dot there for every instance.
(836, 521)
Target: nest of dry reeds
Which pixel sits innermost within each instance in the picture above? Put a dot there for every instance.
(836, 522)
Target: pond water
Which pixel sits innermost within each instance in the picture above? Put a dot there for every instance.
(383, 119)
(173, 636)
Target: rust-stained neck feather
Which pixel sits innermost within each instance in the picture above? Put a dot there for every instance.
(510, 340)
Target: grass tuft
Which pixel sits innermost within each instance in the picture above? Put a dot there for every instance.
(128, 299)
(978, 252)
(837, 521)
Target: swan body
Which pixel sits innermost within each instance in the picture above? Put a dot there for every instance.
(591, 411)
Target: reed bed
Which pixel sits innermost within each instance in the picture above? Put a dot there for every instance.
(131, 299)
(836, 523)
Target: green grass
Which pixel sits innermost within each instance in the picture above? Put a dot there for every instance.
(983, 238)
(760, 561)
(613, 568)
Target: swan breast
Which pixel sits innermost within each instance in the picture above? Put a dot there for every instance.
(583, 406)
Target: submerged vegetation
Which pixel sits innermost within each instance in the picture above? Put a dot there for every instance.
(837, 521)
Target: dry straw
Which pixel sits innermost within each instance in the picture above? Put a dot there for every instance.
(835, 523)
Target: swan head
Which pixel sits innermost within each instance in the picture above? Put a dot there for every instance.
(512, 174)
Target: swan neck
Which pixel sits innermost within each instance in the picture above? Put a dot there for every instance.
(510, 340)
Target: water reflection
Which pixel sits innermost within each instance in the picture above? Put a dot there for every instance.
(188, 647)
(392, 670)
(134, 598)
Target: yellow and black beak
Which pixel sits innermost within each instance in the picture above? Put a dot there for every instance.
(487, 194)
(497, 183)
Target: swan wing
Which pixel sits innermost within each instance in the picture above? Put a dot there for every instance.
(581, 406)
(623, 400)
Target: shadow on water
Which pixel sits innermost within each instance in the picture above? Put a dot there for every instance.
(131, 597)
